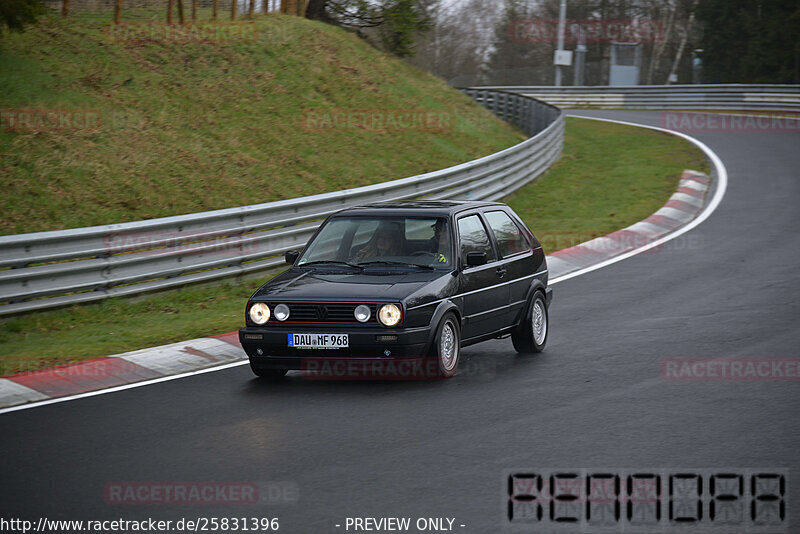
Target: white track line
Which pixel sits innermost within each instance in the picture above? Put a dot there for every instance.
(123, 387)
(722, 185)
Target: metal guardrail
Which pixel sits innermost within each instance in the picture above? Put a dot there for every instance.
(50, 269)
(716, 97)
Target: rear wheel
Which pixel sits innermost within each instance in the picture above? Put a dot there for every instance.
(268, 374)
(531, 335)
(447, 347)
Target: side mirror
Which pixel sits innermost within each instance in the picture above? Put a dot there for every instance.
(476, 259)
(291, 256)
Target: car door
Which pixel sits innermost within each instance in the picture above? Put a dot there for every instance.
(516, 256)
(483, 289)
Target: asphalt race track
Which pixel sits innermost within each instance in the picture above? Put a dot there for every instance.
(594, 399)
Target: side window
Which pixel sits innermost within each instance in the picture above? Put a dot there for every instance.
(510, 238)
(474, 238)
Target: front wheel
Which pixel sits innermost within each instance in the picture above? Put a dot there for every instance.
(531, 335)
(447, 347)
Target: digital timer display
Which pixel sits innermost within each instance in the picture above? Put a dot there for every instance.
(566, 500)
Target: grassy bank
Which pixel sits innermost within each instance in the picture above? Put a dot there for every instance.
(609, 177)
(156, 125)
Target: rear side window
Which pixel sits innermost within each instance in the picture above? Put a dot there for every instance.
(474, 238)
(510, 238)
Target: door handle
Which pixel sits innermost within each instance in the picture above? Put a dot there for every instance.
(501, 271)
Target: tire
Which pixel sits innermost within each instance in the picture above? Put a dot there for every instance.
(447, 346)
(268, 374)
(530, 337)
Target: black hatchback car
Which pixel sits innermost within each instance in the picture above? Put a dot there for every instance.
(395, 290)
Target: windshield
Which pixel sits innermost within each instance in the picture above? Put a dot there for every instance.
(394, 241)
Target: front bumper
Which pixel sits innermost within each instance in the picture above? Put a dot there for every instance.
(268, 347)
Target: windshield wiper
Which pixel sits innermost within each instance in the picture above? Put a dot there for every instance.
(331, 262)
(403, 263)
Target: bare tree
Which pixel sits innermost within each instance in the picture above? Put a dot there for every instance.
(684, 38)
(660, 46)
(460, 41)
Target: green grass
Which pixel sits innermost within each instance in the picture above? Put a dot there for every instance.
(189, 127)
(47, 339)
(609, 177)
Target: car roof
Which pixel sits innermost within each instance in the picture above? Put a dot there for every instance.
(418, 207)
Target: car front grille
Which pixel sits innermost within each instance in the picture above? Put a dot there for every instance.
(307, 312)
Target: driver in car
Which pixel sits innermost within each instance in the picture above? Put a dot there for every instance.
(384, 243)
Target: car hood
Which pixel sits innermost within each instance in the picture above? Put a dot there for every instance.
(367, 285)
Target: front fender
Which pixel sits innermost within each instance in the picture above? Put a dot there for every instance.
(444, 307)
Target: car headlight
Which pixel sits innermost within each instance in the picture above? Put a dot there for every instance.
(259, 313)
(389, 314)
(362, 313)
(281, 312)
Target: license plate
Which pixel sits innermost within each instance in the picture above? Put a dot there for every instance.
(319, 341)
